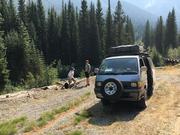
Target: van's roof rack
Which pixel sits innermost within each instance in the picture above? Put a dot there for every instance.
(128, 50)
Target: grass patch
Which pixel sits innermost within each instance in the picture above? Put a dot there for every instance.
(80, 100)
(29, 126)
(77, 132)
(60, 110)
(11, 127)
(45, 117)
(82, 116)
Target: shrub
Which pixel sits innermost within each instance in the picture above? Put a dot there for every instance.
(45, 117)
(174, 53)
(82, 74)
(29, 126)
(11, 88)
(62, 70)
(156, 57)
(82, 116)
(30, 81)
(49, 75)
(10, 128)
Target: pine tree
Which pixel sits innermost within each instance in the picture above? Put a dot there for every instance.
(25, 46)
(32, 33)
(41, 29)
(54, 46)
(109, 27)
(94, 39)
(14, 56)
(178, 44)
(147, 35)
(22, 11)
(129, 32)
(159, 35)
(100, 23)
(174, 29)
(5, 16)
(33, 22)
(32, 14)
(22, 55)
(119, 20)
(152, 37)
(36, 62)
(65, 39)
(23, 58)
(73, 32)
(83, 32)
(4, 73)
(12, 16)
(171, 31)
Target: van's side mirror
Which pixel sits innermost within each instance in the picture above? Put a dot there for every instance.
(96, 71)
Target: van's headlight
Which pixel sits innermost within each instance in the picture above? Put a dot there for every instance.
(98, 84)
(137, 84)
(134, 85)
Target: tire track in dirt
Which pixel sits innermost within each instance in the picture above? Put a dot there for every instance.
(63, 117)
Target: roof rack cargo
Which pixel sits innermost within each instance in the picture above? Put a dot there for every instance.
(127, 50)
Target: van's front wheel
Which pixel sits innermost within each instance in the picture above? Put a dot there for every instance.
(142, 103)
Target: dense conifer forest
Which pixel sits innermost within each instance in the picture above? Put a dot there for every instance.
(37, 45)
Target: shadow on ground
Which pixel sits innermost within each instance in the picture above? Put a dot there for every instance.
(104, 116)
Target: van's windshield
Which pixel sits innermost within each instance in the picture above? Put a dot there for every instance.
(122, 66)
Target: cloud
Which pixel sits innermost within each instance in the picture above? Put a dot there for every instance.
(150, 3)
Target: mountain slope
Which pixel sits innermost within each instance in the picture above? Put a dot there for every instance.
(158, 7)
(138, 15)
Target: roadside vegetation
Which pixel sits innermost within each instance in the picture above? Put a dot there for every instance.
(81, 117)
(11, 127)
(77, 132)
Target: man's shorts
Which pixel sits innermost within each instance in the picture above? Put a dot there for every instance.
(87, 74)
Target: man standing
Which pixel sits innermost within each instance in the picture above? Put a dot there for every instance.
(87, 72)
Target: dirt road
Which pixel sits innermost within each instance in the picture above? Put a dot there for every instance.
(161, 117)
